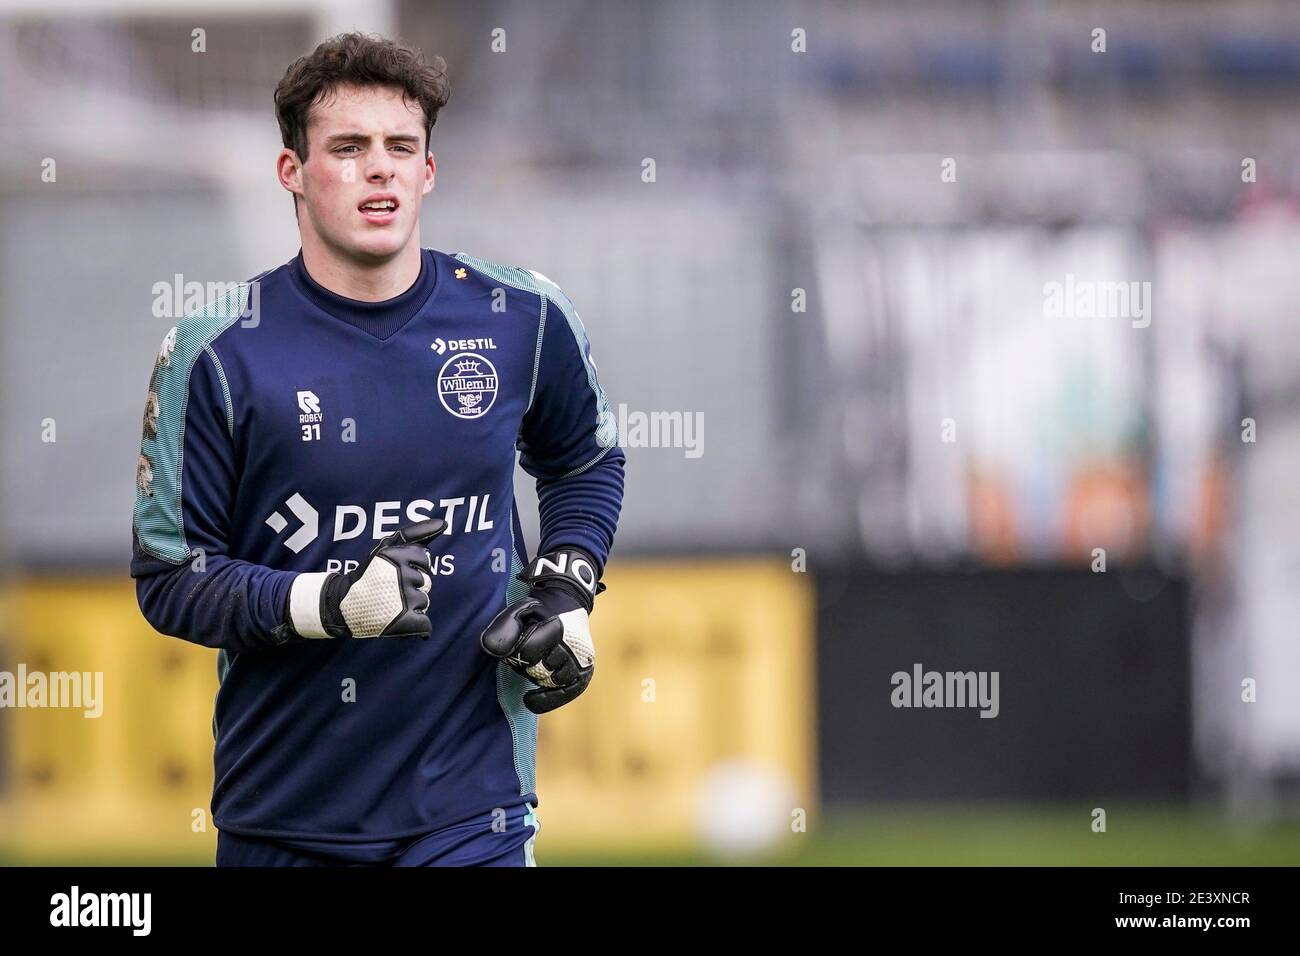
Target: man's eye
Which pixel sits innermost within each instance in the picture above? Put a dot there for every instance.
(405, 149)
(344, 149)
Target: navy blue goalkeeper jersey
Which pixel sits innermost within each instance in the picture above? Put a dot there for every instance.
(287, 429)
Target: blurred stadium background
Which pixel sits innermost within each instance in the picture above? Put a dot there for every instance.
(841, 267)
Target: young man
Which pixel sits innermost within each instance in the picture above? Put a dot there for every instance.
(311, 438)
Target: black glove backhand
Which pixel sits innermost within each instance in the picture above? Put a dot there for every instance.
(547, 636)
(387, 595)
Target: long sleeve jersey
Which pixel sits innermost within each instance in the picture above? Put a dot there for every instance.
(287, 429)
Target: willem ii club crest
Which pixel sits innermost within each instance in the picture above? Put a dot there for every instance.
(467, 385)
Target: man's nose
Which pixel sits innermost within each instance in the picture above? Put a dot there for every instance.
(380, 168)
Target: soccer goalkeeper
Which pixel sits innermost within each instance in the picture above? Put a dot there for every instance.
(325, 494)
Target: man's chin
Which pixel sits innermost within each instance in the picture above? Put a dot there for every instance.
(374, 249)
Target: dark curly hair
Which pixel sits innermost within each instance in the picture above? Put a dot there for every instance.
(357, 59)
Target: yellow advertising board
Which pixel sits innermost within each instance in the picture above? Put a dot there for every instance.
(703, 694)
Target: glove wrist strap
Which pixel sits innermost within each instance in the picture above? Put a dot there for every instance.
(307, 604)
(572, 566)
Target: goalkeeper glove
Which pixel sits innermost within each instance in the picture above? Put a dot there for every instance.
(546, 636)
(385, 596)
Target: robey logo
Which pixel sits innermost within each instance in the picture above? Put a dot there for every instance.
(309, 417)
(382, 518)
(308, 404)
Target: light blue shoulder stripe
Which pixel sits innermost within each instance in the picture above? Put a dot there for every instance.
(159, 518)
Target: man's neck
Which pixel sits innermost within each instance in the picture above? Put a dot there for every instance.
(364, 282)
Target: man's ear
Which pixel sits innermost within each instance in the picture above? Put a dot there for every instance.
(288, 169)
(430, 168)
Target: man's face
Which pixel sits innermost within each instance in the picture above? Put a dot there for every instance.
(366, 171)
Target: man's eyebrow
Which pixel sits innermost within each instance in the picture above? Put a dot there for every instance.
(353, 135)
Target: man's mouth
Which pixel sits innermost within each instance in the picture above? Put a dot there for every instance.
(379, 210)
